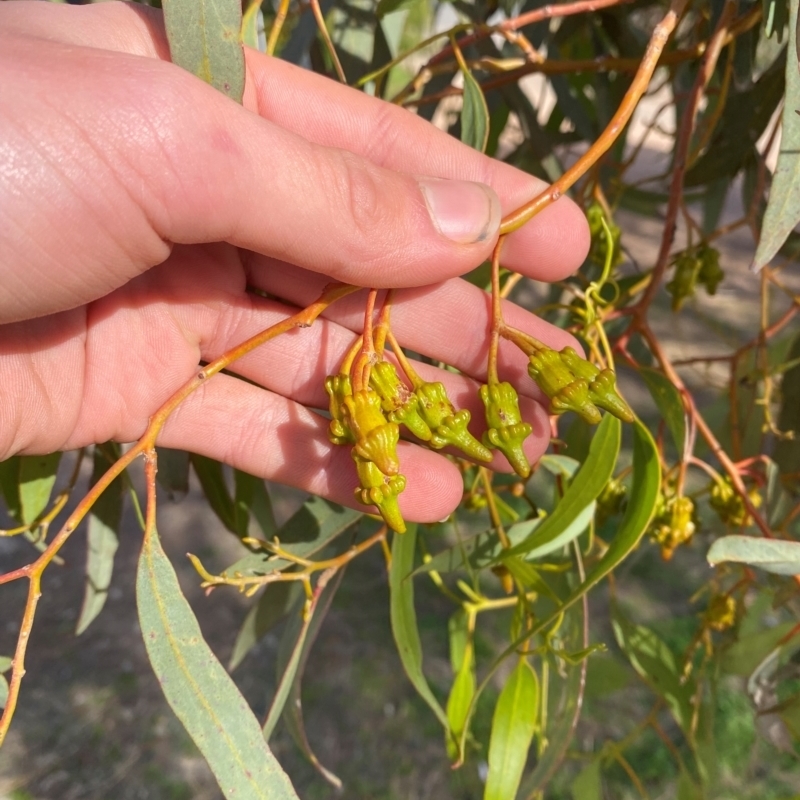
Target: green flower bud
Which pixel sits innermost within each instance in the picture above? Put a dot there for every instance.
(506, 430)
(380, 490)
(375, 438)
(557, 381)
(397, 400)
(710, 274)
(602, 384)
(682, 285)
(338, 387)
(448, 426)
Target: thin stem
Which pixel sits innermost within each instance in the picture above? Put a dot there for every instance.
(641, 80)
(497, 314)
(326, 37)
(277, 26)
(410, 372)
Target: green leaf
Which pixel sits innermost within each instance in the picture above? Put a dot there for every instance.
(296, 643)
(5, 663)
(3, 691)
(783, 206)
(251, 497)
(293, 712)
(584, 489)
(560, 466)
(212, 479)
(204, 38)
(37, 476)
(459, 700)
(778, 556)
(270, 608)
(9, 484)
(101, 541)
(173, 471)
(316, 524)
(668, 400)
(743, 656)
(513, 726)
(404, 617)
(588, 785)
(201, 693)
(474, 114)
(388, 6)
(656, 663)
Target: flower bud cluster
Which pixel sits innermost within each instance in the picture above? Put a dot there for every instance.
(695, 266)
(729, 505)
(674, 524)
(721, 612)
(574, 384)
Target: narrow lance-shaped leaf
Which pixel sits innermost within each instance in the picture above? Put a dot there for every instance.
(474, 114)
(404, 617)
(783, 206)
(641, 505)
(101, 541)
(37, 476)
(316, 524)
(513, 726)
(204, 38)
(583, 490)
(173, 471)
(778, 556)
(293, 712)
(272, 605)
(251, 497)
(212, 480)
(668, 400)
(201, 693)
(656, 663)
(295, 645)
(459, 700)
(9, 485)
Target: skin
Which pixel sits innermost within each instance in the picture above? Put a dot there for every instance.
(137, 205)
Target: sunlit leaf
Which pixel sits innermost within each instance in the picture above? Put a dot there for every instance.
(668, 400)
(778, 556)
(388, 6)
(404, 617)
(458, 636)
(513, 726)
(474, 114)
(783, 206)
(101, 541)
(271, 607)
(198, 688)
(37, 476)
(204, 38)
(459, 700)
(585, 487)
(560, 466)
(656, 663)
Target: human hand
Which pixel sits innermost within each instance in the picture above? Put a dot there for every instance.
(139, 205)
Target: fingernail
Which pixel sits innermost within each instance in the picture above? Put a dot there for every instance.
(463, 211)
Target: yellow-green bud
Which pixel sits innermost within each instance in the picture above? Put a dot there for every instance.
(505, 429)
(448, 426)
(602, 384)
(557, 381)
(397, 400)
(338, 387)
(377, 489)
(375, 438)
